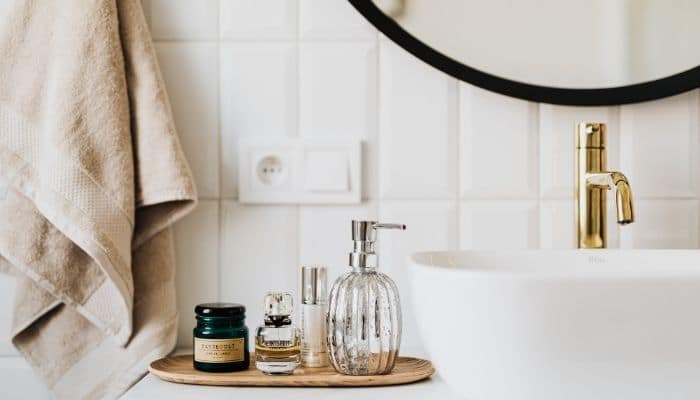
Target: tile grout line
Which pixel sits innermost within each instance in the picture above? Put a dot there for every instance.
(219, 259)
(458, 159)
(618, 116)
(538, 184)
(378, 138)
(253, 40)
(696, 165)
(297, 74)
(297, 134)
(377, 124)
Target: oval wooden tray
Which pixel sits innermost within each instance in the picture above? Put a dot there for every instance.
(179, 369)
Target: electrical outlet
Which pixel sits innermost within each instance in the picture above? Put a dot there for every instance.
(271, 170)
(299, 171)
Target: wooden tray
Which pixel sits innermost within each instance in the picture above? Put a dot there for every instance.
(179, 369)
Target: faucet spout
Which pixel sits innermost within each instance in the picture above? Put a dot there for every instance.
(623, 196)
(593, 180)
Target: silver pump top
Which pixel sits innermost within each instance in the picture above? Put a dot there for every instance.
(278, 304)
(364, 236)
(313, 285)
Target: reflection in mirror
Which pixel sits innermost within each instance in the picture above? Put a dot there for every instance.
(561, 44)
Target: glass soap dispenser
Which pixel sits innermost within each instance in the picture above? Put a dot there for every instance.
(277, 342)
(364, 312)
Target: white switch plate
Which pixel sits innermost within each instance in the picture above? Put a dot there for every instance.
(299, 171)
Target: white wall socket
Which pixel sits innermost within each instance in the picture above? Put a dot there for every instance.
(299, 171)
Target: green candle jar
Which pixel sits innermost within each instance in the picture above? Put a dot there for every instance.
(220, 338)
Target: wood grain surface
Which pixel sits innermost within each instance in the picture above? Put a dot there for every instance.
(179, 369)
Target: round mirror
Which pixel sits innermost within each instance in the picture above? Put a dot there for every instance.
(594, 52)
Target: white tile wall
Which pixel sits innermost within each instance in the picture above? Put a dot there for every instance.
(259, 252)
(417, 133)
(337, 88)
(197, 252)
(498, 156)
(663, 224)
(19, 381)
(557, 227)
(184, 19)
(662, 143)
(331, 20)
(460, 166)
(499, 224)
(338, 96)
(258, 97)
(191, 73)
(257, 19)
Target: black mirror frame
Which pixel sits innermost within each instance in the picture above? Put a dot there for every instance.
(652, 90)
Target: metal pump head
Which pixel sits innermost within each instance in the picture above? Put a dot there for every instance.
(364, 236)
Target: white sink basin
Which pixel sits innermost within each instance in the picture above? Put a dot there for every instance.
(596, 324)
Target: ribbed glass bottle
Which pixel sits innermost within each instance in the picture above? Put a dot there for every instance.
(364, 323)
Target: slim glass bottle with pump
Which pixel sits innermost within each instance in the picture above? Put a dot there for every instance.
(277, 342)
(314, 353)
(364, 312)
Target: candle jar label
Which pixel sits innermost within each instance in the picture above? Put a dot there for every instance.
(219, 350)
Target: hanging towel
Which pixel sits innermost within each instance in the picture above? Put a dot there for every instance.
(97, 176)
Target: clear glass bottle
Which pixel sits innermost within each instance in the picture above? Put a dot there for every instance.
(364, 311)
(277, 342)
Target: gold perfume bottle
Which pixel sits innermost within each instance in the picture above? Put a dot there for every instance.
(277, 342)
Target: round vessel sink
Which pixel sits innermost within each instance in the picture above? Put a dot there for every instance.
(577, 324)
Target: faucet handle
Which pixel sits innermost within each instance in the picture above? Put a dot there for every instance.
(623, 192)
(590, 135)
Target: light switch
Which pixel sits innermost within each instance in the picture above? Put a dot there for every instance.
(327, 171)
(299, 171)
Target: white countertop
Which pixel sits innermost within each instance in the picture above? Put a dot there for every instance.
(151, 387)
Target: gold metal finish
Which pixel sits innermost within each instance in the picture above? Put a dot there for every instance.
(592, 182)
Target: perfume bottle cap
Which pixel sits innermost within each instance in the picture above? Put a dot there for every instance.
(278, 304)
(313, 285)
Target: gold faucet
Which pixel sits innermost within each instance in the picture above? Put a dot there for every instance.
(592, 182)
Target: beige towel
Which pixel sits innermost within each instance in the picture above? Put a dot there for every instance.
(97, 177)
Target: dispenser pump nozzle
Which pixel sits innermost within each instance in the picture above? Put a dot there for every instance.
(364, 236)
